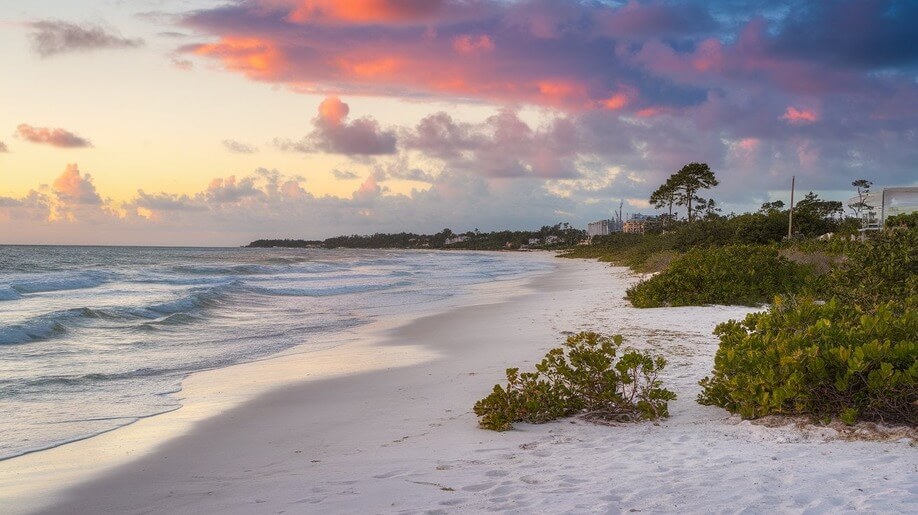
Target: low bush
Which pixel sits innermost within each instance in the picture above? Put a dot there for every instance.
(640, 252)
(824, 360)
(736, 274)
(882, 269)
(583, 376)
(903, 220)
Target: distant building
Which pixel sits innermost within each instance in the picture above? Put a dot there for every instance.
(886, 203)
(534, 242)
(551, 239)
(639, 224)
(603, 228)
(456, 239)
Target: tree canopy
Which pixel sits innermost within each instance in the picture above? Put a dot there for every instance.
(682, 189)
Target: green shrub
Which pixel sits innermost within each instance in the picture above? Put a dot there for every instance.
(824, 360)
(735, 274)
(702, 233)
(879, 270)
(759, 228)
(638, 251)
(903, 220)
(582, 376)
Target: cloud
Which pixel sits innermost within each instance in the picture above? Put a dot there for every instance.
(334, 134)
(469, 44)
(182, 64)
(344, 175)
(165, 202)
(71, 187)
(3, 148)
(876, 34)
(796, 116)
(51, 136)
(502, 146)
(231, 190)
(52, 37)
(362, 11)
(172, 34)
(239, 148)
(266, 203)
(235, 209)
(633, 58)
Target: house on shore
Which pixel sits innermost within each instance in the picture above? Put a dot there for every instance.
(639, 224)
(455, 239)
(882, 204)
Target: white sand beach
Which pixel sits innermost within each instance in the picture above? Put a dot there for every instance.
(383, 424)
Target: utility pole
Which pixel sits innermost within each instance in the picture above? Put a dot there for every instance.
(790, 216)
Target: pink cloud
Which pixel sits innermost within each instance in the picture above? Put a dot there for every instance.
(369, 190)
(231, 190)
(334, 133)
(51, 136)
(468, 44)
(363, 11)
(649, 112)
(332, 110)
(73, 188)
(796, 116)
(257, 58)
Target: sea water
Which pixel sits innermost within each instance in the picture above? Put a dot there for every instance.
(94, 338)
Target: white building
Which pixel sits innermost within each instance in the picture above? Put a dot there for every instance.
(456, 239)
(603, 228)
(885, 203)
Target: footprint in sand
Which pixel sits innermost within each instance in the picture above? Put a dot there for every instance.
(479, 487)
(503, 490)
(496, 473)
(387, 475)
(452, 502)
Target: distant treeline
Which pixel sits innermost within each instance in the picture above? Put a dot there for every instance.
(558, 235)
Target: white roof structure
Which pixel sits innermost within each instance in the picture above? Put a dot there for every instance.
(889, 202)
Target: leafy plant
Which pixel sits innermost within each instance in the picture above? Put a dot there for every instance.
(582, 376)
(882, 269)
(734, 274)
(909, 220)
(824, 360)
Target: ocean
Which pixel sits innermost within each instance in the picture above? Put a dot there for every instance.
(94, 338)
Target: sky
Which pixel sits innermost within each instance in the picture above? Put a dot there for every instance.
(202, 122)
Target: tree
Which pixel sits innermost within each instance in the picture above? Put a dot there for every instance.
(665, 196)
(863, 192)
(814, 216)
(709, 207)
(771, 208)
(688, 181)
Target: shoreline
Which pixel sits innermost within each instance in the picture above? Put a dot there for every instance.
(403, 439)
(35, 479)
